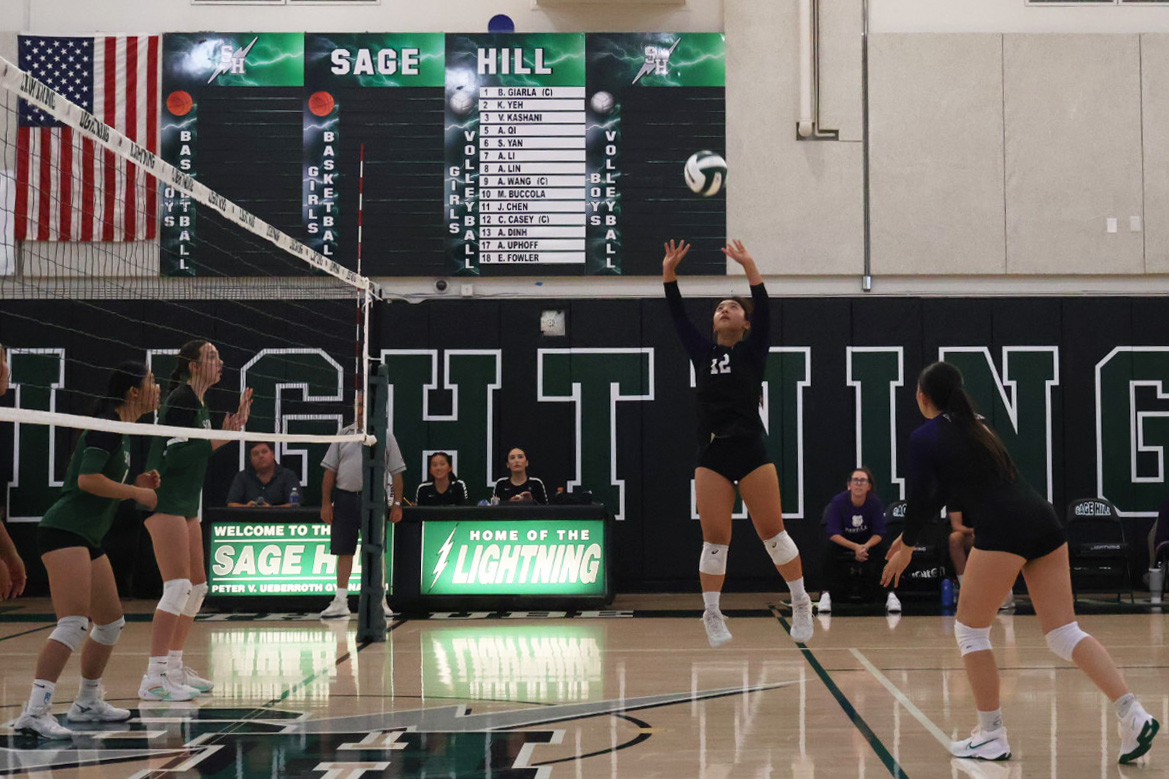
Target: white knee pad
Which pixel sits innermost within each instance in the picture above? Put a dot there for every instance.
(108, 634)
(714, 559)
(195, 600)
(781, 548)
(70, 631)
(1063, 640)
(175, 593)
(971, 639)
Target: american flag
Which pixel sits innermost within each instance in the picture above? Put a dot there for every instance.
(68, 187)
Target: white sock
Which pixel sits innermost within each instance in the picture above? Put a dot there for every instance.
(342, 593)
(710, 600)
(156, 666)
(1124, 704)
(42, 694)
(989, 721)
(90, 689)
(960, 576)
(174, 660)
(797, 588)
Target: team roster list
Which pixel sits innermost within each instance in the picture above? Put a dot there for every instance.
(516, 157)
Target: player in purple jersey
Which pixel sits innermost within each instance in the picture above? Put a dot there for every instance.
(731, 442)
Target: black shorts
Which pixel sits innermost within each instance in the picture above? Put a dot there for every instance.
(734, 457)
(346, 522)
(50, 539)
(1030, 535)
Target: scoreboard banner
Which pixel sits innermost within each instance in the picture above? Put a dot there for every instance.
(484, 154)
(513, 557)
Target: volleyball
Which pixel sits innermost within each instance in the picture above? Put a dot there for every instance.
(705, 173)
(320, 103)
(602, 103)
(179, 103)
(462, 101)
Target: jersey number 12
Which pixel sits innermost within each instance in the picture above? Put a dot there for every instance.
(718, 366)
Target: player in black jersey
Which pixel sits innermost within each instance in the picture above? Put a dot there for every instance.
(69, 539)
(732, 444)
(954, 458)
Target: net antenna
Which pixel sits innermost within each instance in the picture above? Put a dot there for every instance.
(277, 320)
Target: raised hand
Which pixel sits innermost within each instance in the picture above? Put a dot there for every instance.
(675, 252)
(239, 419)
(737, 252)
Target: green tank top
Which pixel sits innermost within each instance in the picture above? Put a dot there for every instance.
(181, 462)
(83, 513)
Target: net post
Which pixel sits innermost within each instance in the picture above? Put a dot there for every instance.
(371, 620)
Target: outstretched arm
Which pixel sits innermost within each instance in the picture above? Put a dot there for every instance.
(696, 346)
(761, 318)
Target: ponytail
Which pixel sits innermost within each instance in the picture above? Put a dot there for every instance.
(942, 384)
(190, 352)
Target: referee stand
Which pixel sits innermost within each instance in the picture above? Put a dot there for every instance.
(371, 619)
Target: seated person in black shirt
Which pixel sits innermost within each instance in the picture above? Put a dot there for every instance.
(444, 488)
(519, 486)
(265, 483)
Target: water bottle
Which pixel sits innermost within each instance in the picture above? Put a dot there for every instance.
(294, 497)
(947, 593)
(1156, 584)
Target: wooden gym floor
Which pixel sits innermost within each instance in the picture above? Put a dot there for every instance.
(634, 692)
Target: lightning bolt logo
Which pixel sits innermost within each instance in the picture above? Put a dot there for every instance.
(651, 64)
(240, 56)
(443, 553)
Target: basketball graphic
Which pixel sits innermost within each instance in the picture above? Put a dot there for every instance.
(320, 103)
(179, 103)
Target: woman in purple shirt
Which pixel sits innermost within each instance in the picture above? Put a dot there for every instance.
(854, 523)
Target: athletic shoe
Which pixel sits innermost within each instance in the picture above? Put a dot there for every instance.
(892, 604)
(825, 604)
(337, 609)
(40, 722)
(161, 687)
(96, 710)
(716, 627)
(1136, 733)
(387, 610)
(983, 746)
(1009, 603)
(193, 680)
(802, 620)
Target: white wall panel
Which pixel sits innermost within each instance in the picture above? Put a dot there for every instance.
(936, 154)
(1155, 120)
(798, 205)
(1073, 153)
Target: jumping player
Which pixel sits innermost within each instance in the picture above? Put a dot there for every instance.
(732, 444)
(955, 457)
(81, 582)
(174, 527)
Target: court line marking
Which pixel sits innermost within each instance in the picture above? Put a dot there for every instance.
(903, 699)
(25, 633)
(850, 711)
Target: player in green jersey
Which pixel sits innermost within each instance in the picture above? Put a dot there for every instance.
(174, 527)
(81, 582)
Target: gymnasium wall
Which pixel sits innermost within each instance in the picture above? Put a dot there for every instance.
(609, 407)
(1003, 137)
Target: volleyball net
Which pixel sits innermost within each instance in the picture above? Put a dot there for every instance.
(87, 282)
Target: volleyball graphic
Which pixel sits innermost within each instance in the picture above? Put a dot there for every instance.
(705, 173)
(602, 103)
(462, 101)
(179, 103)
(321, 103)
